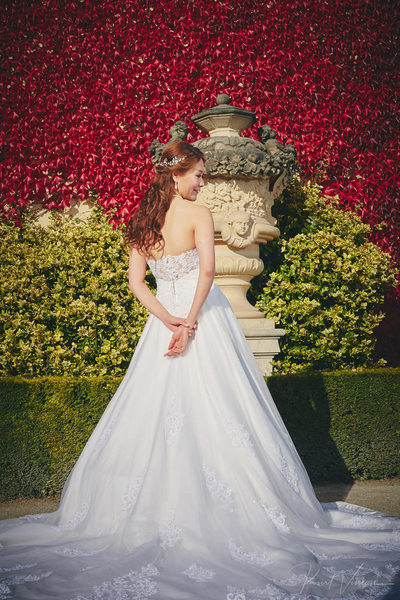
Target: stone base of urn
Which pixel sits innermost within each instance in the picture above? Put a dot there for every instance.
(234, 271)
(263, 340)
(261, 334)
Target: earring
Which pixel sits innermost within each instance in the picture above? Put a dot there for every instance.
(176, 186)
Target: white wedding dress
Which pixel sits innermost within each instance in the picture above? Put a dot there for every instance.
(191, 488)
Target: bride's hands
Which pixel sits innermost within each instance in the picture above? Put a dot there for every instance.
(180, 338)
(178, 341)
(173, 323)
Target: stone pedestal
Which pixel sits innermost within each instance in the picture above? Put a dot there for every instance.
(261, 334)
(243, 176)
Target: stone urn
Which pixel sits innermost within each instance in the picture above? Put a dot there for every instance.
(242, 177)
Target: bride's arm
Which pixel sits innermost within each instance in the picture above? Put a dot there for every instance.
(204, 239)
(137, 285)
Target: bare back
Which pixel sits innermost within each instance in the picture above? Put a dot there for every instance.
(179, 228)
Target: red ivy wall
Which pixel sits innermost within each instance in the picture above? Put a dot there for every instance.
(87, 85)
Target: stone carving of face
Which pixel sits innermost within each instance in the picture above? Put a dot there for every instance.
(241, 223)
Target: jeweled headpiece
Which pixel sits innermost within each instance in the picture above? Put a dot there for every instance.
(171, 163)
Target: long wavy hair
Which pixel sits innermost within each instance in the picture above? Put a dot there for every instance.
(143, 229)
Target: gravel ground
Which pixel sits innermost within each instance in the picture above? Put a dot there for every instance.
(380, 494)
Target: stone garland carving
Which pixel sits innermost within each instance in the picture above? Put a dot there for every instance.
(237, 156)
(238, 195)
(239, 265)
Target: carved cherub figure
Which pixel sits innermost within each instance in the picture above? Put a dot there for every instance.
(267, 136)
(177, 132)
(265, 133)
(156, 148)
(235, 229)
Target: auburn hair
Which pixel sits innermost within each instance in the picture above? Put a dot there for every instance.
(143, 229)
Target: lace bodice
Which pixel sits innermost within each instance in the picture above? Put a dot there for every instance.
(176, 276)
(174, 266)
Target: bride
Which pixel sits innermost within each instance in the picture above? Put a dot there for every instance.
(190, 486)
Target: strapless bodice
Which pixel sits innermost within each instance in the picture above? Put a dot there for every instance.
(176, 277)
(174, 266)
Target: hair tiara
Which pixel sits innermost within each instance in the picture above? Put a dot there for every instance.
(171, 163)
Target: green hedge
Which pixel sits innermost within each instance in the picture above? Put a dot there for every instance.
(44, 424)
(345, 425)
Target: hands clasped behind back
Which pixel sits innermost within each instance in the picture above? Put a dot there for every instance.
(180, 337)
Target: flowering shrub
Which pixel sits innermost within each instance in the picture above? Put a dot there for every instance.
(66, 308)
(327, 289)
(86, 86)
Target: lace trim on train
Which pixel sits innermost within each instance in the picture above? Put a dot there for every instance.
(17, 567)
(239, 435)
(79, 516)
(199, 574)
(288, 472)
(5, 591)
(218, 488)
(381, 547)
(135, 585)
(79, 552)
(250, 558)
(105, 436)
(277, 517)
(131, 493)
(173, 421)
(174, 266)
(169, 532)
(365, 519)
(34, 517)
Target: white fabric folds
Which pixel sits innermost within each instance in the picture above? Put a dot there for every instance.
(191, 488)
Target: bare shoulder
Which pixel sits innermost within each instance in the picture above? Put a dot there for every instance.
(195, 213)
(201, 211)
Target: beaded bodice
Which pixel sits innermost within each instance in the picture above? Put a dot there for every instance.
(174, 266)
(176, 276)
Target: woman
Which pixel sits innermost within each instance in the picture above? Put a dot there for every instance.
(169, 224)
(190, 486)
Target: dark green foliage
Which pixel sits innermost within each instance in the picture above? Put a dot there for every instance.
(44, 425)
(344, 424)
